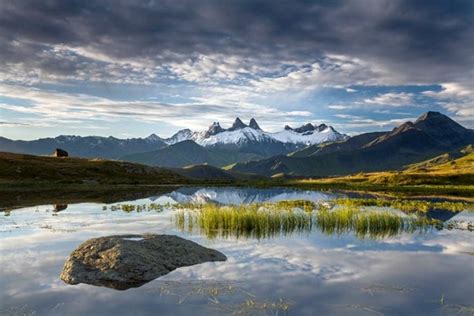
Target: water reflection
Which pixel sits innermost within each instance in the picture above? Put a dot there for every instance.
(246, 195)
(309, 273)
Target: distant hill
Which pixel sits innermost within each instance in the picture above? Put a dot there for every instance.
(85, 147)
(188, 153)
(210, 173)
(28, 168)
(353, 143)
(205, 172)
(430, 135)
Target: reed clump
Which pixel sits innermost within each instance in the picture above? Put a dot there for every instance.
(248, 221)
(264, 220)
(368, 224)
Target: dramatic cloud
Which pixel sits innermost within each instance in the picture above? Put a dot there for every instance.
(244, 55)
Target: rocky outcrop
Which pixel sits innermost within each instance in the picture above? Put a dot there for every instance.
(124, 261)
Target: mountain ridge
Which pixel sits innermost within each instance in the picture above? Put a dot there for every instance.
(241, 132)
(432, 134)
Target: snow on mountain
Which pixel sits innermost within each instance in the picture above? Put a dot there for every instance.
(240, 133)
(153, 138)
(309, 135)
(239, 136)
(180, 136)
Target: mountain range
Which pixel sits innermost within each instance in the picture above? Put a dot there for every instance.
(430, 135)
(245, 149)
(85, 147)
(216, 146)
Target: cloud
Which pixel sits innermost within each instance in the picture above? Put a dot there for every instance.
(355, 121)
(12, 124)
(392, 99)
(66, 108)
(242, 57)
(413, 41)
(457, 99)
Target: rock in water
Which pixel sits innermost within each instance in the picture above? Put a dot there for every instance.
(124, 261)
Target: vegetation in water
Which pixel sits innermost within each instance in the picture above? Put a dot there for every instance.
(264, 220)
(370, 224)
(408, 206)
(249, 221)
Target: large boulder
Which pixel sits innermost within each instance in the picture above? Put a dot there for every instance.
(124, 261)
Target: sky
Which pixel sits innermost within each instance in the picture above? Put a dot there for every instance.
(132, 68)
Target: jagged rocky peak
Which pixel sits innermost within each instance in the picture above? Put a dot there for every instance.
(253, 124)
(321, 127)
(214, 129)
(238, 124)
(305, 128)
(288, 128)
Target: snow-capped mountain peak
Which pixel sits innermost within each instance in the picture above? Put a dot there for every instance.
(309, 134)
(240, 133)
(236, 137)
(214, 129)
(153, 138)
(182, 135)
(238, 124)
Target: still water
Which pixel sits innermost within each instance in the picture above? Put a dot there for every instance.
(427, 273)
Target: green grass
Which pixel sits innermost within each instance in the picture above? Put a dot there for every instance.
(248, 221)
(408, 206)
(265, 220)
(26, 170)
(368, 224)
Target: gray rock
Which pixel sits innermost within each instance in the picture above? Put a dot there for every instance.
(124, 261)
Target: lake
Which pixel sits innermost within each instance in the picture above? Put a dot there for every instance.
(310, 271)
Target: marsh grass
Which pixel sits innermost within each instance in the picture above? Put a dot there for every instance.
(265, 220)
(369, 224)
(248, 221)
(408, 206)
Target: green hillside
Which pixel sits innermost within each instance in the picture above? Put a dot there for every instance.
(17, 168)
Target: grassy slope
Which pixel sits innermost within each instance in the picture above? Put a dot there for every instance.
(437, 175)
(18, 168)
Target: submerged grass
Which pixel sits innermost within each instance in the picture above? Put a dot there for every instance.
(264, 220)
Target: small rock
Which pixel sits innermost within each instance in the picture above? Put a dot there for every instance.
(124, 261)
